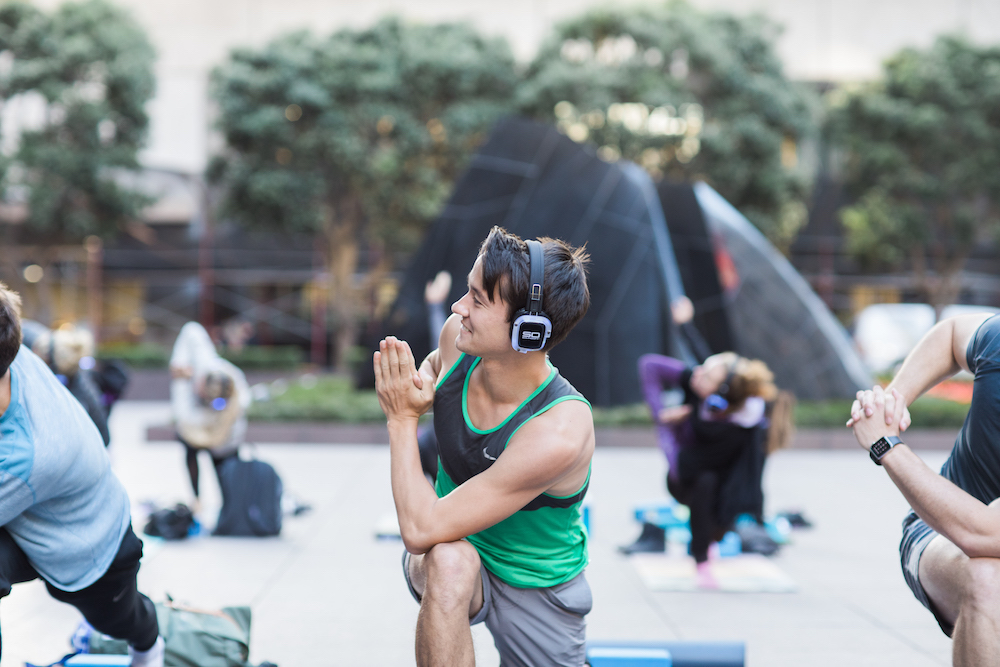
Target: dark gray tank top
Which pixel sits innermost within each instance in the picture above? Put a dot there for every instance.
(465, 451)
(974, 463)
(544, 543)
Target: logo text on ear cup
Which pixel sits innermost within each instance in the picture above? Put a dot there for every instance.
(531, 335)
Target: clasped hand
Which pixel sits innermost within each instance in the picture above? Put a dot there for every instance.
(877, 413)
(404, 391)
(674, 415)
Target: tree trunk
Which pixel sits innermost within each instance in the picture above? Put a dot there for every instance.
(341, 233)
(95, 288)
(941, 287)
(46, 301)
(319, 297)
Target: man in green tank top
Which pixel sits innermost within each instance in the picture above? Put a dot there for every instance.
(499, 538)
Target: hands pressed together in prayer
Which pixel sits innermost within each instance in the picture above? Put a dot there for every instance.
(404, 391)
(876, 413)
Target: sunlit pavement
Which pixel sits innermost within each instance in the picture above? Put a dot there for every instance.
(328, 593)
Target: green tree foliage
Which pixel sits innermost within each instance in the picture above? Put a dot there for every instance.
(686, 94)
(89, 66)
(922, 159)
(366, 127)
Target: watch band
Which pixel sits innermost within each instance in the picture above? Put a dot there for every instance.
(882, 446)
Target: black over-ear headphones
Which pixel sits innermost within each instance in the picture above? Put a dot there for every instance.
(532, 327)
(719, 401)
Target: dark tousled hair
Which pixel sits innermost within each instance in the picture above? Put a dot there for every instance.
(565, 296)
(10, 327)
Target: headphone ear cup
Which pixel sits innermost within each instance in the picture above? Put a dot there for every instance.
(530, 332)
(513, 322)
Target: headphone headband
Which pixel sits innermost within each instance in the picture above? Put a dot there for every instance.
(536, 264)
(531, 327)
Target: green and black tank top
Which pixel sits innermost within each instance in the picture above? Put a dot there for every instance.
(543, 544)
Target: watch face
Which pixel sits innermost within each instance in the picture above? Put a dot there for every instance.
(880, 447)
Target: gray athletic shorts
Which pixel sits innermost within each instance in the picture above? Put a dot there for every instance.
(532, 627)
(916, 536)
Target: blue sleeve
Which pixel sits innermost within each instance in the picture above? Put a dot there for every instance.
(15, 497)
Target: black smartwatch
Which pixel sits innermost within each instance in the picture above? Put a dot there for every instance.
(881, 447)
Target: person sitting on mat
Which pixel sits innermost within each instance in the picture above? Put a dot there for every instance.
(65, 515)
(209, 397)
(500, 538)
(712, 442)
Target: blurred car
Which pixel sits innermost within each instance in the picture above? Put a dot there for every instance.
(959, 309)
(885, 333)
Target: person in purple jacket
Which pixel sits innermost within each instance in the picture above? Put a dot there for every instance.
(713, 441)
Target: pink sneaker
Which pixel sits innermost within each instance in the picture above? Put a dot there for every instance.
(713, 551)
(704, 578)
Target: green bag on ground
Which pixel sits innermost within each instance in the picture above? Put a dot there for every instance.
(193, 637)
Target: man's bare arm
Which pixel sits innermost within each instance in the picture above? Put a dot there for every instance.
(970, 524)
(940, 354)
(551, 451)
(444, 357)
(967, 522)
(403, 401)
(540, 457)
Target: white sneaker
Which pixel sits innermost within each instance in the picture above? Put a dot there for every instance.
(151, 658)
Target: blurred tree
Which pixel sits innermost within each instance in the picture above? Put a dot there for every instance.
(80, 78)
(363, 132)
(686, 94)
(88, 71)
(922, 159)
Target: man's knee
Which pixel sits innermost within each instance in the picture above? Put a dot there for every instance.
(981, 592)
(452, 570)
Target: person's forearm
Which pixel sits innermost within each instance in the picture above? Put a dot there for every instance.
(413, 496)
(964, 520)
(930, 362)
(655, 372)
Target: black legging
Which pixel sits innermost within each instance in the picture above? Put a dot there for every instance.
(191, 458)
(112, 604)
(699, 495)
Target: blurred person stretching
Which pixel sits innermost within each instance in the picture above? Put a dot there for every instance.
(209, 397)
(950, 551)
(65, 516)
(713, 443)
(500, 537)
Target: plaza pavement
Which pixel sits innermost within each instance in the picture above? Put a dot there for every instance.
(327, 593)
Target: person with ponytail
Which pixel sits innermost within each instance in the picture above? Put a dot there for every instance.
(715, 441)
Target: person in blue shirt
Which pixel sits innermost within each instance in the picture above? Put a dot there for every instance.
(65, 517)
